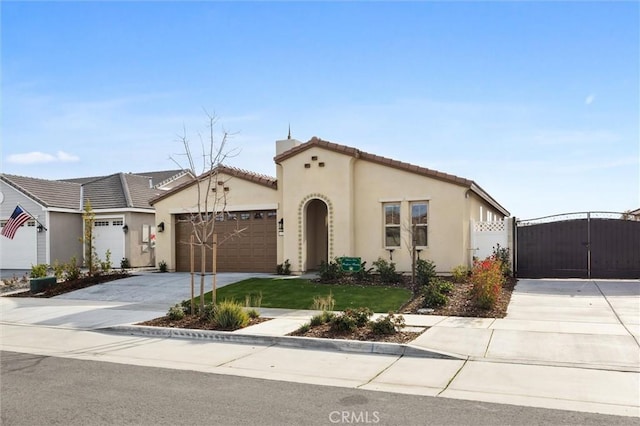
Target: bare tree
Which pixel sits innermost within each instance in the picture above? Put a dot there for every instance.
(211, 202)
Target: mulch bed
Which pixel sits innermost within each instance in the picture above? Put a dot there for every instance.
(194, 322)
(361, 333)
(67, 286)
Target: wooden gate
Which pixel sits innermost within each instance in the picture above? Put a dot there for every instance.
(578, 245)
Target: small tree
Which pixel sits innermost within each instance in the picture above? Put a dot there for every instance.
(88, 238)
(211, 198)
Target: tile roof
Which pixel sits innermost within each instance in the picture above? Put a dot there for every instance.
(158, 177)
(119, 191)
(354, 152)
(49, 193)
(258, 178)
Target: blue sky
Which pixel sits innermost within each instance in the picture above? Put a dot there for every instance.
(538, 102)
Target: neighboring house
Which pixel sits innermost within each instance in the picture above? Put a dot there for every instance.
(124, 220)
(330, 200)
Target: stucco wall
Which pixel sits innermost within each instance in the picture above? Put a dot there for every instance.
(139, 253)
(242, 195)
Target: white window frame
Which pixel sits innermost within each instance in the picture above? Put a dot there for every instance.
(387, 226)
(420, 225)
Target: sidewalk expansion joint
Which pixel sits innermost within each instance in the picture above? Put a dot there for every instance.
(453, 377)
(380, 372)
(486, 351)
(559, 364)
(616, 314)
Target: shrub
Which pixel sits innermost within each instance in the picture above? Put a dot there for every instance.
(460, 274)
(208, 311)
(175, 313)
(323, 303)
(38, 271)
(124, 263)
(304, 328)
(251, 300)
(229, 315)
(317, 320)
(387, 271)
(58, 270)
(105, 266)
(502, 255)
(284, 268)
(388, 324)
(162, 266)
(435, 293)
(253, 314)
(364, 274)
(343, 323)
(425, 271)
(330, 271)
(72, 270)
(487, 280)
(360, 315)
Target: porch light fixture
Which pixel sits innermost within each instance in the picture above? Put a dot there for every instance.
(161, 227)
(40, 228)
(125, 228)
(390, 253)
(281, 225)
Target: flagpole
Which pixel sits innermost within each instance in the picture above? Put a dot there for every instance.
(34, 218)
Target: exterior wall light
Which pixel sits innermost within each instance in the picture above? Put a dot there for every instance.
(281, 225)
(125, 228)
(161, 227)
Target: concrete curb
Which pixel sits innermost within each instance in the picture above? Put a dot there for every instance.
(337, 345)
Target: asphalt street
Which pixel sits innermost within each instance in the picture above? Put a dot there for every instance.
(38, 390)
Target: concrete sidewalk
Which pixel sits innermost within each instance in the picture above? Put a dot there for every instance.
(564, 344)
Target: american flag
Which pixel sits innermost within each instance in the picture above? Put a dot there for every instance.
(15, 221)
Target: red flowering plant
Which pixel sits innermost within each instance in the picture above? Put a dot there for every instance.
(487, 280)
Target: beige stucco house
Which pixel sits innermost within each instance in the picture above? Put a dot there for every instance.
(329, 200)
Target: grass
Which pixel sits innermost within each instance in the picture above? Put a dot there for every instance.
(296, 293)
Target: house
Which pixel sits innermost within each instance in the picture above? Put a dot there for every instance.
(124, 219)
(329, 200)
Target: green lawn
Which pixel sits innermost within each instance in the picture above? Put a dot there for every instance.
(296, 293)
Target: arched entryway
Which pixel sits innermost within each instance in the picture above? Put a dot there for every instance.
(317, 233)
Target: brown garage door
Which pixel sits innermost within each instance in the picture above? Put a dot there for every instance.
(253, 251)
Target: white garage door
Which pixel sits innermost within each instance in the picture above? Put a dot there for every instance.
(19, 253)
(108, 235)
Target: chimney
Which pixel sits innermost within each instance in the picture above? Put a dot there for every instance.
(286, 144)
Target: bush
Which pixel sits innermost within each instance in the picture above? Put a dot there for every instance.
(162, 266)
(364, 274)
(487, 280)
(251, 300)
(58, 270)
(38, 271)
(387, 271)
(460, 274)
(124, 263)
(425, 271)
(105, 266)
(175, 313)
(72, 270)
(502, 255)
(343, 323)
(304, 328)
(253, 314)
(386, 325)
(317, 320)
(208, 311)
(330, 271)
(350, 319)
(435, 293)
(229, 315)
(284, 268)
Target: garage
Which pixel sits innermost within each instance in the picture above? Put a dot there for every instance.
(108, 235)
(253, 251)
(21, 251)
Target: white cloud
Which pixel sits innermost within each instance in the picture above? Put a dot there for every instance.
(38, 157)
(589, 100)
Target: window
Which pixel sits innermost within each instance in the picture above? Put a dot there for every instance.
(419, 223)
(101, 223)
(118, 222)
(258, 215)
(392, 225)
(245, 216)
